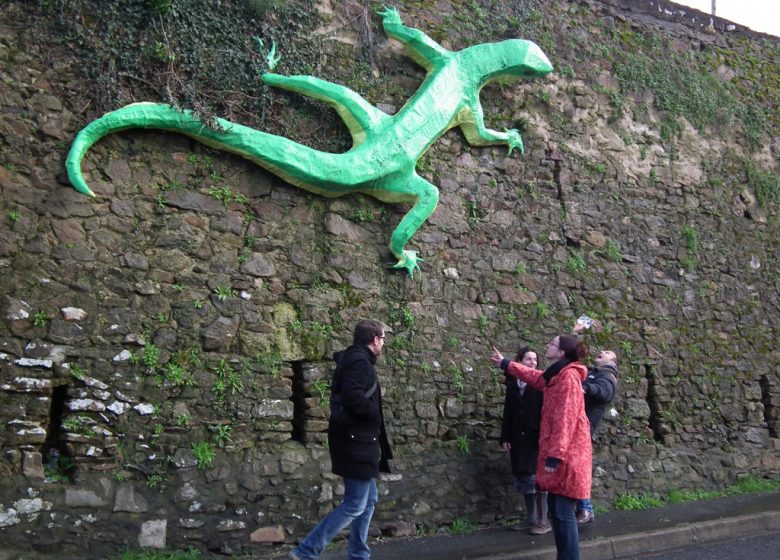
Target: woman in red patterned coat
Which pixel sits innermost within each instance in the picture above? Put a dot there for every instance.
(565, 451)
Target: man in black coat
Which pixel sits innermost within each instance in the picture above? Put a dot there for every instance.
(358, 445)
(599, 388)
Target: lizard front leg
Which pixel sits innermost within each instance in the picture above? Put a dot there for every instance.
(420, 47)
(425, 197)
(357, 113)
(472, 123)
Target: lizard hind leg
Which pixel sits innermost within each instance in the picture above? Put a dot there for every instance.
(425, 197)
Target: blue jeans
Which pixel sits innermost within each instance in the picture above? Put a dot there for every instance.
(356, 509)
(564, 525)
(585, 505)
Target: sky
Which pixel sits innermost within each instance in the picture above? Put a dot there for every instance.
(758, 15)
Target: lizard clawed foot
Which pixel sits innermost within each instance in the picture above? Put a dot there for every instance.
(409, 262)
(390, 15)
(514, 140)
(272, 59)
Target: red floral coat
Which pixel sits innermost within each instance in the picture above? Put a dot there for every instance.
(564, 432)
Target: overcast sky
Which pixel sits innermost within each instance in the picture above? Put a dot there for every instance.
(758, 15)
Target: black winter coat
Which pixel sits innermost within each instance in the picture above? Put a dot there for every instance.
(520, 426)
(599, 388)
(359, 447)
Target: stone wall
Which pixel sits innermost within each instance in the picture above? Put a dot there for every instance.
(164, 347)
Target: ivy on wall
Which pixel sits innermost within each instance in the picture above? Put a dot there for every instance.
(197, 54)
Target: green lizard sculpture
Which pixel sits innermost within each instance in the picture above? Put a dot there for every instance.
(381, 162)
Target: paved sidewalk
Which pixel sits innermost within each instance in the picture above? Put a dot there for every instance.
(613, 535)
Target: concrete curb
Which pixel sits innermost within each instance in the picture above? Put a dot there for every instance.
(661, 540)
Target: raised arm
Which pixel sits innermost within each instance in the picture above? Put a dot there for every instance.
(533, 377)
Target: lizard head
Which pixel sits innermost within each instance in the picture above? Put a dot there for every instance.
(525, 59)
(513, 58)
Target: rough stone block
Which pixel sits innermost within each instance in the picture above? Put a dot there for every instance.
(190, 523)
(32, 464)
(258, 265)
(90, 405)
(228, 525)
(220, 334)
(399, 529)
(274, 534)
(26, 433)
(273, 408)
(128, 500)
(34, 363)
(27, 385)
(153, 534)
(82, 498)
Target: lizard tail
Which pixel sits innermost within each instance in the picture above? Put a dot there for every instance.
(85, 139)
(262, 148)
(136, 115)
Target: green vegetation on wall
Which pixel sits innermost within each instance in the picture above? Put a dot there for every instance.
(196, 54)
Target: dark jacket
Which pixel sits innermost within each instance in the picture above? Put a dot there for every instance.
(520, 426)
(358, 447)
(599, 387)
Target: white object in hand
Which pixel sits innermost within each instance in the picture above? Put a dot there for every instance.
(585, 321)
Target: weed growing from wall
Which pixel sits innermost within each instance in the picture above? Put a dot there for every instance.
(204, 454)
(158, 481)
(541, 309)
(77, 371)
(40, 319)
(408, 317)
(612, 251)
(691, 237)
(321, 388)
(222, 433)
(58, 467)
(576, 263)
(461, 526)
(764, 184)
(482, 323)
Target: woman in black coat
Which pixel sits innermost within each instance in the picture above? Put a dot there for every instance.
(520, 437)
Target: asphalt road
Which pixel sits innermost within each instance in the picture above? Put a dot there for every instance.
(762, 547)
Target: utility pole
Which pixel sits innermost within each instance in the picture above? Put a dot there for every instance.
(713, 8)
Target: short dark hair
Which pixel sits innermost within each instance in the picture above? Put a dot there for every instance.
(572, 348)
(367, 330)
(523, 351)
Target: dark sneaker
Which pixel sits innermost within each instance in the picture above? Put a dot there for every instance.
(585, 516)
